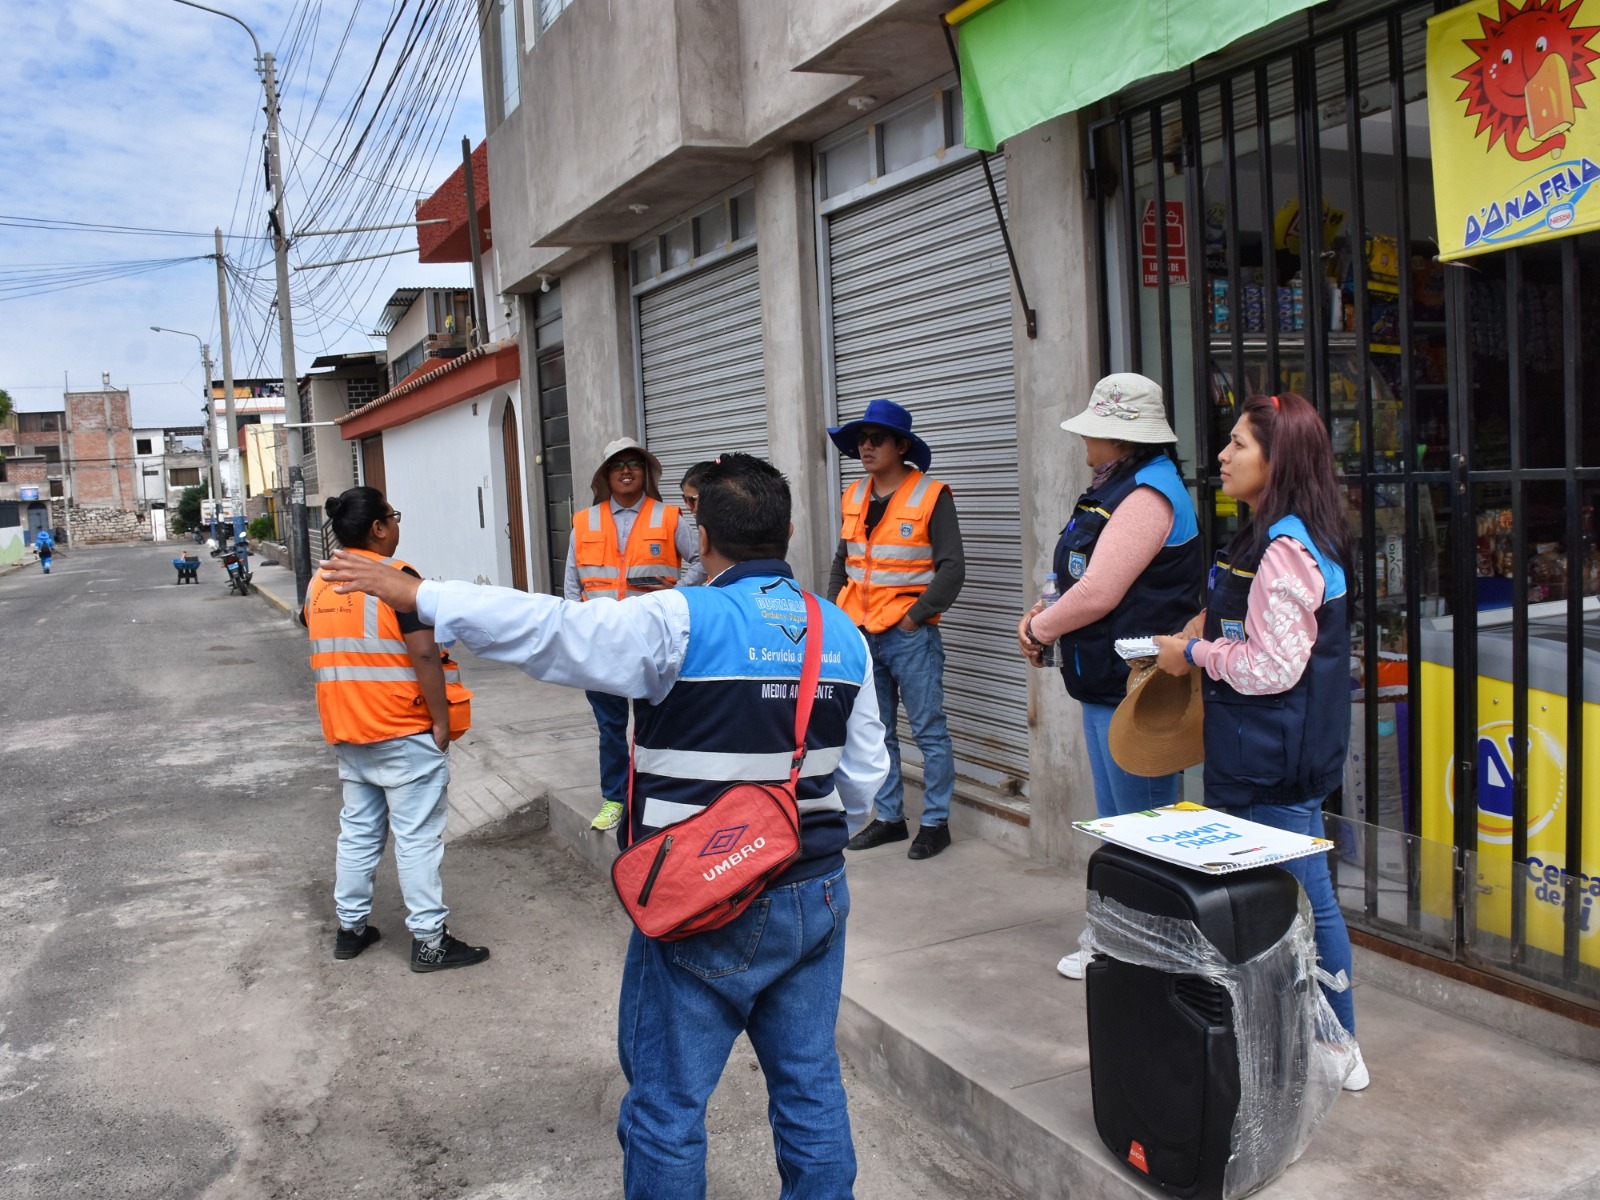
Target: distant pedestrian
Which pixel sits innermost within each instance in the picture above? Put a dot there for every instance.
(899, 565)
(629, 543)
(385, 707)
(45, 547)
(1274, 642)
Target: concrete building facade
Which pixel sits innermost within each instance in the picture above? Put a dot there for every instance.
(727, 224)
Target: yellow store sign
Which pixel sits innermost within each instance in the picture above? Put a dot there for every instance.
(1514, 116)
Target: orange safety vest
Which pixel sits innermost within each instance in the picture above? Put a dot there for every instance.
(648, 563)
(887, 572)
(367, 688)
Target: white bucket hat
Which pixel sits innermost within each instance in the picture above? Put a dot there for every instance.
(1124, 408)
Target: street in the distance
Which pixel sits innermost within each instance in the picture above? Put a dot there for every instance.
(172, 1021)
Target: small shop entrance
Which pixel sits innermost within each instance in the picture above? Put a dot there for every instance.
(1271, 228)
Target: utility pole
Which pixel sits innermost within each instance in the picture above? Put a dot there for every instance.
(227, 376)
(209, 408)
(300, 534)
(278, 218)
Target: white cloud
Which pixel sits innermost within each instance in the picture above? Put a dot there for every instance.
(148, 113)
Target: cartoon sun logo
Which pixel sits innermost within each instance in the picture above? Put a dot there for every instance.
(1525, 74)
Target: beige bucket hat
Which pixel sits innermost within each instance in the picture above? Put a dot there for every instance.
(1159, 726)
(1124, 408)
(601, 484)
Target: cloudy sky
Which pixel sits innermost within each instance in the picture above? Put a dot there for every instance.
(147, 115)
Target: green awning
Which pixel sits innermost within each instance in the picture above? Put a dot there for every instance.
(1025, 61)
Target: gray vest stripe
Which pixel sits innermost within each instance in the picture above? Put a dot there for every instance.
(358, 646)
(913, 553)
(882, 578)
(364, 675)
(917, 493)
(732, 768)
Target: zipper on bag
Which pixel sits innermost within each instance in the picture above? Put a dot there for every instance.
(655, 869)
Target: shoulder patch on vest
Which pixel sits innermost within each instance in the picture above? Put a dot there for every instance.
(1077, 563)
(1233, 631)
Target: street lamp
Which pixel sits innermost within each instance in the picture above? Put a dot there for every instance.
(278, 221)
(205, 386)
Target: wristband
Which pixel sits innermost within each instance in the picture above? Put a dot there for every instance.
(1028, 629)
(1188, 651)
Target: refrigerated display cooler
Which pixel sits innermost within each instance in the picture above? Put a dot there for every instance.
(1544, 873)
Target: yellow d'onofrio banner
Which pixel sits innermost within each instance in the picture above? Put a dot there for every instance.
(1514, 120)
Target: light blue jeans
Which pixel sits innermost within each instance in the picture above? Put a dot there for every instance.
(774, 973)
(1116, 791)
(908, 668)
(398, 784)
(1333, 936)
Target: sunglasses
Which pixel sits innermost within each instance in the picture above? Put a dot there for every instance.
(626, 464)
(873, 437)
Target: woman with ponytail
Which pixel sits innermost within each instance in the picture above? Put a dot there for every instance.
(386, 704)
(1274, 642)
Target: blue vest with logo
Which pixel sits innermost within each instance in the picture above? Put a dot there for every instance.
(729, 717)
(1290, 747)
(1164, 596)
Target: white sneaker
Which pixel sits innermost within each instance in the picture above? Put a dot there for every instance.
(1072, 965)
(1358, 1078)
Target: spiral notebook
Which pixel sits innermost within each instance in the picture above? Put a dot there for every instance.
(1203, 839)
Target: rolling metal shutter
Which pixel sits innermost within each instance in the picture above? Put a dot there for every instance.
(700, 364)
(921, 315)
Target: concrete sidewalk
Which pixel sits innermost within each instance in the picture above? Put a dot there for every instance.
(952, 1003)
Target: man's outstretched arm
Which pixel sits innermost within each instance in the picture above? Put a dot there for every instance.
(631, 648)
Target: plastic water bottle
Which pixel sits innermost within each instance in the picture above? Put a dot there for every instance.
(1048, 596)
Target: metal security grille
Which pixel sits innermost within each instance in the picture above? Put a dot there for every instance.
(920, 299)
(1258, 238)
(700, 364)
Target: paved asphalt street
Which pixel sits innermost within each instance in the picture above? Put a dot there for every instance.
(172, 1022)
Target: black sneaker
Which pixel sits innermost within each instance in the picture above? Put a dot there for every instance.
(347, 943)
(447, 954)
(879, 833)
(930, 840)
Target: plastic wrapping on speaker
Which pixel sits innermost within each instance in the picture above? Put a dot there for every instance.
(1293, 1053)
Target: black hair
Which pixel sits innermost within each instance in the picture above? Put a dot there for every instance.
(696, 474)
(744, 508)
(352, 513)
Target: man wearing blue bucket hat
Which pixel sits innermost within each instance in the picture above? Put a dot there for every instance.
(899, 565)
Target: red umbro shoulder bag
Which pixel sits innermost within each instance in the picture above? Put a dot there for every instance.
(704, 871)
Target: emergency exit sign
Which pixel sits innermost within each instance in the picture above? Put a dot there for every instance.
(1177, 245)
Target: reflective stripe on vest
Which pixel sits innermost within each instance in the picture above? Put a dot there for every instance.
(888, 570)
(605, 569)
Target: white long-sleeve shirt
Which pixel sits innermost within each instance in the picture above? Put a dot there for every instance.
(633, 648)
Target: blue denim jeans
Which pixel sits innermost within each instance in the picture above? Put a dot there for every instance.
(1333, 938)
(773, 973)
(908, 668)
(1115, 790)
(611, 715)
(400, 785)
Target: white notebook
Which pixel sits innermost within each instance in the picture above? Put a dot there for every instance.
(1203, 839)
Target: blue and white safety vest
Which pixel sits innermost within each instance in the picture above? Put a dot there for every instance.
(1289, 747)
(729, 717)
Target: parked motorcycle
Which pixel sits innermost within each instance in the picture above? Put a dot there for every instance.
(237, 563)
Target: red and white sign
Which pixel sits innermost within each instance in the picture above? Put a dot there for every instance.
(1177, 245)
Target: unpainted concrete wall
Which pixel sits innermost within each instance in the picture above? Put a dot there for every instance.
(1051, 226)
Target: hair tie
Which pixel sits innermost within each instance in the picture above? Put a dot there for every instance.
(1275, 403)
